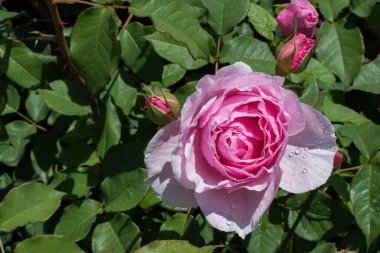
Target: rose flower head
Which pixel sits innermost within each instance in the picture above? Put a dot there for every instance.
(162, 109)
(240, 137)
(298, 14)
(294, 55)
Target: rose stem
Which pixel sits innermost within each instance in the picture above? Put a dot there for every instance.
(217, 53)
(64, 49)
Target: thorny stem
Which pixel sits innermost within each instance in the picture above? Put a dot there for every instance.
(64, 49)
(31, 121)
(88, 3)
(217, 53)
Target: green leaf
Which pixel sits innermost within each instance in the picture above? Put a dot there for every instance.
(172, 74)
(107, 129)
(94, 48)
(266, 237)
(124, 191)
(365, 197)
(341, 49)
(368, 78)
(118, 235)
(76, 183)
(78, 130)
(77, 218)
(137, 53)
(13, 100)
(314, 70)
(123, 94)
(173, 51)
(20, 64)
(263, 22)
(340, 113)
(4, 15)
(223, 15)
(181, 227)
(310, 215)
(31, 202)
(65, 98)
(366, 137)
(78, 154)
(48, 243)
(36, 107)
(149, 200)
(331, 10)
(310, 95)
(12, 150)
(179, 20)
(3, 96)
(62, 104)
(185, 91)
(363, 8)
(174, 246)
(20, 129)
(325, 247)
(251, 51)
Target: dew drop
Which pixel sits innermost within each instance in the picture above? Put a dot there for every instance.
(260, 206)
(297, 151)
(304, 156)
(290, 154)
(304, 171)
(228, 222)
(306, 149)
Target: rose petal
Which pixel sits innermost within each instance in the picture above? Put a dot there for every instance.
(160, 174)
(238, 68)
(294, 109)
(230, 211)
(308, 159)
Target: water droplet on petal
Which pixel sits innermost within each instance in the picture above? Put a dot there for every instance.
(297, 151)
(304, 171)
(290, 154)
(306, 149)
(304, 156)
(228, 222)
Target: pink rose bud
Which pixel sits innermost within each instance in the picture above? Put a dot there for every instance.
(300, 15)
(162, 109)
(294, 55)
(338, 158)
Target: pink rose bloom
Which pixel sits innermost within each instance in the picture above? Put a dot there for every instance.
(305, 15)
(240, 137)
(294, 53)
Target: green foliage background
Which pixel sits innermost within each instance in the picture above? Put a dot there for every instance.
(73, 132)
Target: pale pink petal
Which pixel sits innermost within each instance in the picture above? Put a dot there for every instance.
(238, 68)
(160, 175)
(308, 159)
(237, 211)
(294, 109)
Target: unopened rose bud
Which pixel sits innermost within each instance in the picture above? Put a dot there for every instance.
(338, 159)
(294, 55)
(162, 109)
(300, 17)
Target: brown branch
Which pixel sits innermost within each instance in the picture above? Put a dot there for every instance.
(217, 53)
(31, 121)
(1, 246)
(64, 49)
(89, 3)
(127, 21)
